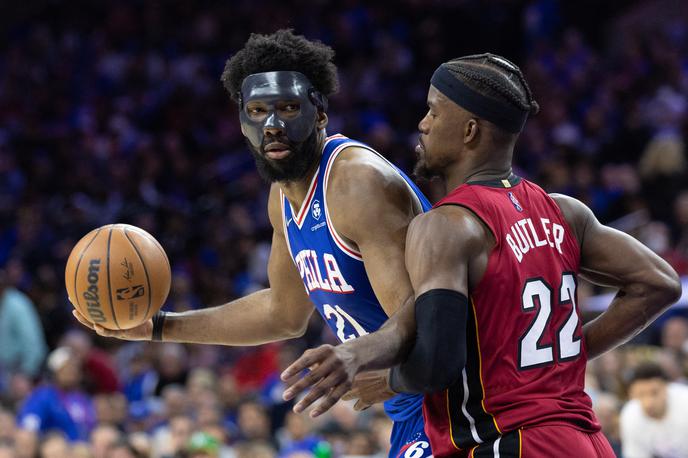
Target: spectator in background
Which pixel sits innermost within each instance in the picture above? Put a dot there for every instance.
(26, 443)
(60, 405)
(606, 407)
(297, 434)
(675, 335)
(54, 445)
(7, 426)
(202, 445)
(253, 422)
(99, 372)
(654, 422)
(6, 449)
(122, 449)
(22, 344)
(102, 438)
(171, 439)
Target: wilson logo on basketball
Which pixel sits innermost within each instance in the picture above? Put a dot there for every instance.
(91, 294)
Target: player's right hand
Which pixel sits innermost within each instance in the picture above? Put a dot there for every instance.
(141, 332)
(369, 388)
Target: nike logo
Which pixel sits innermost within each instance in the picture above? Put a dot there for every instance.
(288, 222)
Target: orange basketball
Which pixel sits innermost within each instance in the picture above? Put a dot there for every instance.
(118, 276)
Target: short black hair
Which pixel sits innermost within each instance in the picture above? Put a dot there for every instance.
(646, 371)
(282, 50)
(495, 77)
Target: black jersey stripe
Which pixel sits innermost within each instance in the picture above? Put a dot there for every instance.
(471, 424)
(506, 446)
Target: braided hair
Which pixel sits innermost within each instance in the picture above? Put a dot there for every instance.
(495, 77)
(282, 50)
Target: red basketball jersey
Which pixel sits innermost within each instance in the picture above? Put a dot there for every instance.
(526, 358)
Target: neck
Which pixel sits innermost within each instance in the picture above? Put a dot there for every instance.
(459, 174)
(296, 191)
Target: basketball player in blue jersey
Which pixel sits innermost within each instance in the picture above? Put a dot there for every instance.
(339, 211)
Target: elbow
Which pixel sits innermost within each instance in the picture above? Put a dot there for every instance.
(293, 326)
(294, 330)
(674, 289)
(668, 286)
(661, 290)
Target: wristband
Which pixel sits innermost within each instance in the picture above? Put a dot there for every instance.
(158, 325)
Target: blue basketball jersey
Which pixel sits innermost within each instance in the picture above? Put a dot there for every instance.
(332, 270)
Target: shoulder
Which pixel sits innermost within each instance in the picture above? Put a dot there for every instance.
(575, 212)
(275, 207)
(446, 230)
(357, 172)
(363, 189)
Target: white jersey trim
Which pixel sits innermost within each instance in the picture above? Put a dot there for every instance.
(284, 226)
(300, 216)
(339, 241)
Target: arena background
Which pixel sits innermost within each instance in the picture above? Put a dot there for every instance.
(114, 112)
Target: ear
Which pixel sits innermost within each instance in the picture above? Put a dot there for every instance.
(321, 120)
(470, 130)
(242, 130)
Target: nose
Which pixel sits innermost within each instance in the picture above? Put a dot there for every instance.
(424, 125)
(273, 125)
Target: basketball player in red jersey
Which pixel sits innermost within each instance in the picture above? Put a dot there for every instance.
(494, 336)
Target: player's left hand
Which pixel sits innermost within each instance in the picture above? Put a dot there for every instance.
(331, 374)
(370, 388)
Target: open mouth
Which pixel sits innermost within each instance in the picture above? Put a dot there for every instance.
(276, 150)
(420, 147)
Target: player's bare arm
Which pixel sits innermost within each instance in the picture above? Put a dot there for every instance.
(371, 206)
(647, 284)
(279, 312)
(432, 266)
(447, 251)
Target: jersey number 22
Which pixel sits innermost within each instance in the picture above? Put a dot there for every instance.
(530, 352)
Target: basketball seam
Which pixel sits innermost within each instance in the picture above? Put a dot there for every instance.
(145, 270)
(112, 306)
(76, 270)
(164, 255)
(159, 247)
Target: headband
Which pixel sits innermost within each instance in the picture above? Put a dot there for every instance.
(501, 114)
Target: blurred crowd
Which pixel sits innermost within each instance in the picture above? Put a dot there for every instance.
(114, 112)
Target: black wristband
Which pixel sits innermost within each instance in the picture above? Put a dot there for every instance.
(158, 325)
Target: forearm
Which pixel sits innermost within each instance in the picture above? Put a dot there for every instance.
(246, 321)
(389, 345)
(438, 354)
(631, 311)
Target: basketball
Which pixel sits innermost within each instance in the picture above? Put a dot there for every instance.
(118, 276)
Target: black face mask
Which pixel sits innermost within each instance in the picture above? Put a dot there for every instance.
(297, 132)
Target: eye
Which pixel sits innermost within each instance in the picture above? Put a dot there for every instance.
(291, 107)
(255, 110)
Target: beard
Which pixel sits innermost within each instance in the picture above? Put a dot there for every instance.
(421, 168)
(292, 168)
